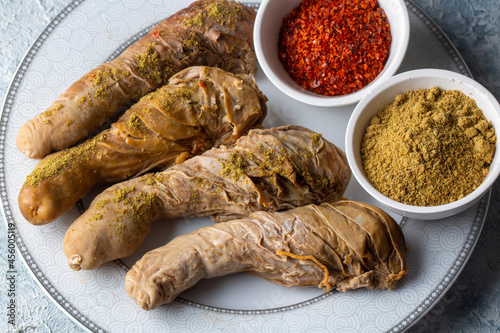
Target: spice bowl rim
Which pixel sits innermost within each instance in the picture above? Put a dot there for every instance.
(408, 81)
(266, 31)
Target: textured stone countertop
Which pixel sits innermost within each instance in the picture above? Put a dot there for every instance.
(473, 302)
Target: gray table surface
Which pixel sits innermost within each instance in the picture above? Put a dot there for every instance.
(473, 302)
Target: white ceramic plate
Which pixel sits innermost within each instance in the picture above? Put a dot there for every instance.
(89, 32)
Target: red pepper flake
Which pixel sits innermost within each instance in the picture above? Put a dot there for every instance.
(203, 85)
(335, 47)
(156, 34)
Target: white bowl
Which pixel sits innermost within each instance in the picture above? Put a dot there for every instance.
(408, 81)
(266, 35)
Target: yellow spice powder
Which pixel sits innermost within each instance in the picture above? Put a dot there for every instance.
(428, 147)
(217, 11)
(235, 167)
(52, 165)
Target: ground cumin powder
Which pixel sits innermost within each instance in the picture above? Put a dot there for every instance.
(428, 147)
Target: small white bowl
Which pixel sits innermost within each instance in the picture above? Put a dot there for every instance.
(386, 93)
(266, 35)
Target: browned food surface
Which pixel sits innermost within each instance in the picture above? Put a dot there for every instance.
(216, 33)
(344, 245)
(268, 169)
(200, 108)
